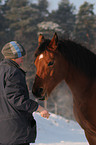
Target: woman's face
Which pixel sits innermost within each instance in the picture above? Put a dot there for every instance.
(19, 60)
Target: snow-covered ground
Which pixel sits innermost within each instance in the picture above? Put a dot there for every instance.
(58, 131)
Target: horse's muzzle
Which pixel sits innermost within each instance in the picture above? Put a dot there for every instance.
(39, 94)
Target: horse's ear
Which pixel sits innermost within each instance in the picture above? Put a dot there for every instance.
(54, 42)
(41, 39)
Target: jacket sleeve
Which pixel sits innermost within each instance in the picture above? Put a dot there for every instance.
(17, 93)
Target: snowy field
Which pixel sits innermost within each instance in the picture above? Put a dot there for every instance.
(58, 131)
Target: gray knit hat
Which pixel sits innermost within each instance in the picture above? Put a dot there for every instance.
(13, 50)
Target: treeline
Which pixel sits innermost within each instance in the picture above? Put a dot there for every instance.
(23, 21)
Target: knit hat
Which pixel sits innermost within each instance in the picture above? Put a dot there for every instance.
(13, 50)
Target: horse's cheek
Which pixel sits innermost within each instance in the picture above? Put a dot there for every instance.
(51, 73)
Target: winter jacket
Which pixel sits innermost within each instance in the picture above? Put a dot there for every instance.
(17, 124)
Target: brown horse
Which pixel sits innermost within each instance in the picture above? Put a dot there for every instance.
(58, 60)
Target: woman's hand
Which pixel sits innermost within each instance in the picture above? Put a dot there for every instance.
(44, 113)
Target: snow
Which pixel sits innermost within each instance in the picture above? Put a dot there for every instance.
(58, 131)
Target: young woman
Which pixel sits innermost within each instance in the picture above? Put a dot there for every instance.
(17, 124)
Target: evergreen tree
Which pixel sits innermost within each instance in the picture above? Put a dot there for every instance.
(20, 19)
(22, 25)
(4, 31)
(85, 25)
(21, 16)
(43, 7)
(64, 16)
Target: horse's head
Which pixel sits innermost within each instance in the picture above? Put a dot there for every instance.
(49, 67)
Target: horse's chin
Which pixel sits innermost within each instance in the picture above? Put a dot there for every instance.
(43, 97)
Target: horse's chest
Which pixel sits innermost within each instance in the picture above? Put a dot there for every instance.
(80, 112)
(84, 119)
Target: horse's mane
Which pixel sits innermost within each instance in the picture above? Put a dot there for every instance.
(82, 58)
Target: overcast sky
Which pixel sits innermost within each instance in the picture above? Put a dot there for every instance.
(77, 3)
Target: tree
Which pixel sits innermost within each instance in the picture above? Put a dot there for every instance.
(65, 17)
(22, 21)
(85, 25)
(4, 31)
(43, 7)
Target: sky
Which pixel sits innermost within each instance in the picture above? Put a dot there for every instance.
(53, 4)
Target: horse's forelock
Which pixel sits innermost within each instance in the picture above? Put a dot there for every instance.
(42, 47)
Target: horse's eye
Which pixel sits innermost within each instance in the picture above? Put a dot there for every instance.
(50, 63)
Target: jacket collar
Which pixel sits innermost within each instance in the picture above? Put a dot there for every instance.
(13, 63)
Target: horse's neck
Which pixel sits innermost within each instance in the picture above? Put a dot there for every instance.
(77, 82)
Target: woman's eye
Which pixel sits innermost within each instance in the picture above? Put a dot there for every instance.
(50, 63)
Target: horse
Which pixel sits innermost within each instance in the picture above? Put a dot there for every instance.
(58, 60)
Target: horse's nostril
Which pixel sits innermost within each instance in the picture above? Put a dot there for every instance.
(40, 90)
